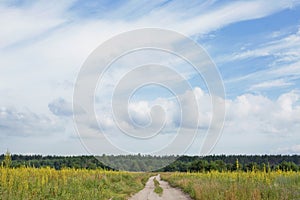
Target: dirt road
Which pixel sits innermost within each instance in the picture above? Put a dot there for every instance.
(169, 193)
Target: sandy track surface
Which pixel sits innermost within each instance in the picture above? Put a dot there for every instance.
(169, 193)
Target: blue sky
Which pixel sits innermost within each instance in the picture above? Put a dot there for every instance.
(254, 44)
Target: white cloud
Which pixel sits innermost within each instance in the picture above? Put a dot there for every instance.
(281, 72)
(25, 23)
(292, 70)
(258, 114)
(60, 107)
(285, 49)
(280, 76)
(142, 114)
(15, 123)
(270, 84)
(266, 123)
(246, 114)
(230, 13)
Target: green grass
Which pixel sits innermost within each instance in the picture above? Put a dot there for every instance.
(157, 188)
(46, 183)
(237, 185)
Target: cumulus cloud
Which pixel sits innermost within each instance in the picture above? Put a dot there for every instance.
(254, 123)
(166, 111)
(26, 123)
(246, 114)
(155, 113)
(259, 114)
(60, 107)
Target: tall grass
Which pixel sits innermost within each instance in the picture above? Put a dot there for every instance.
(237, 185)
(47, 183)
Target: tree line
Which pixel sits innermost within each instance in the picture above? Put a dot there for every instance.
(56, 162)
(150, 163)
(235, 163)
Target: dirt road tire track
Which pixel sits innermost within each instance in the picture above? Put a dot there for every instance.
(169, 193)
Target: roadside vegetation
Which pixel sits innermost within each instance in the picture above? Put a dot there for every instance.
(237, 185)
(48, 183)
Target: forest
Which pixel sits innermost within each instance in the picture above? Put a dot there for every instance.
(152, 163)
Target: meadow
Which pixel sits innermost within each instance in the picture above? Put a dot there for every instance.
(48, 183)
(237, 185)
